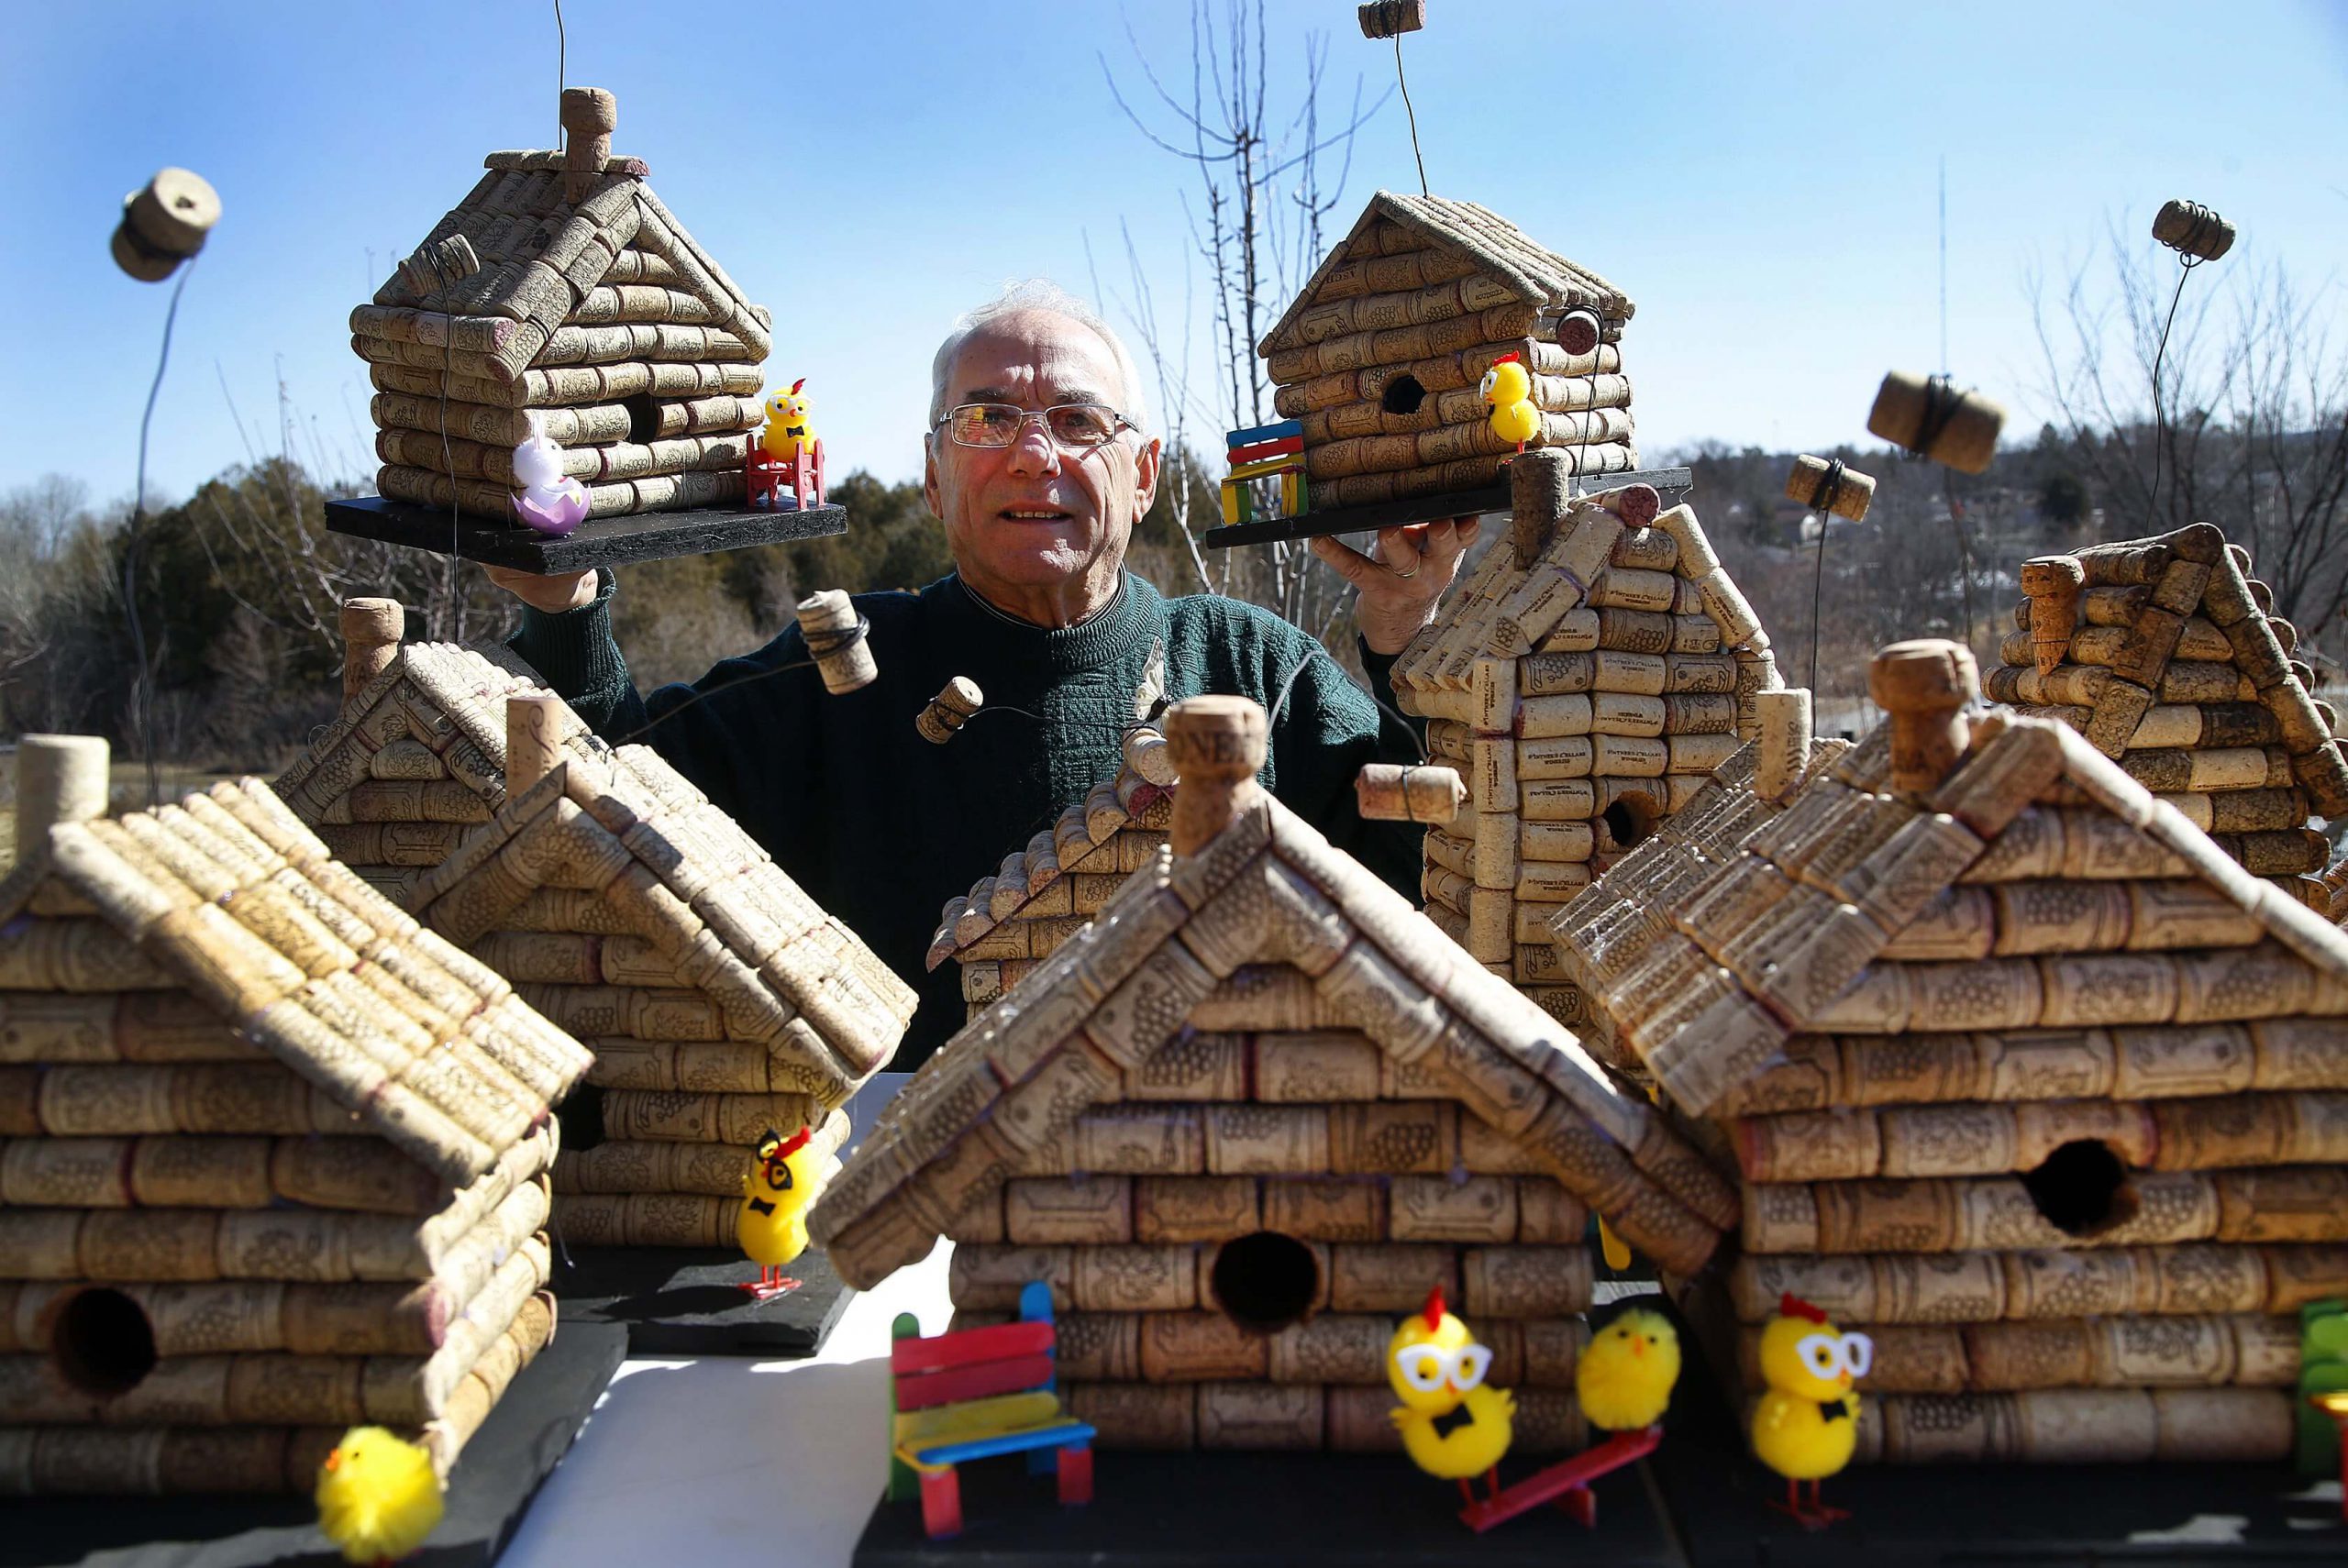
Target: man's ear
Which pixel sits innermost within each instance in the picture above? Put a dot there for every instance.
(929, 476)
(1147, 464)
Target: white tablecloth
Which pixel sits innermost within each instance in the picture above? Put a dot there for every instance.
(727, 1460)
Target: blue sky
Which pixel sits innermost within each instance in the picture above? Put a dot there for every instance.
(1760, 179)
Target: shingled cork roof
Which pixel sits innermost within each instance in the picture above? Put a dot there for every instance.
(297, 1143)
(1382, 355)
(1585, 678)
(1260, 902)
(2166, 655)
(2002, 1044)
(719, 1000)
(416, 757)
(591, 305)
(1044, 893)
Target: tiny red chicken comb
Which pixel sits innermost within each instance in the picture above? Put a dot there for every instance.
(1433, 1310)
(1792, 1306)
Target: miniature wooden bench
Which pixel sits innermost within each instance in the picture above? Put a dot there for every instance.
(975, 1394)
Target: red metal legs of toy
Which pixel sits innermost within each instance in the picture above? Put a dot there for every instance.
(1075, 1476)
(1812, 1514)
(771, 1282)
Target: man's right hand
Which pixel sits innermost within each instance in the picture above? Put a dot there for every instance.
(552, 595)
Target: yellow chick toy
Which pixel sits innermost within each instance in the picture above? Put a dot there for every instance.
(790, 428)
(378, 1497)
(1807, 1424)
(1453, 1427)
(775, 1195)
(1509, 389)
(1624, 1379)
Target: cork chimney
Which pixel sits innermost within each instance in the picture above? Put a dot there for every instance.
(59, 778)
(372, 629)
(2053, 584)
(531, 743)
(589, 116)
(1217, 744)
(1782, 753)
(1925, 686)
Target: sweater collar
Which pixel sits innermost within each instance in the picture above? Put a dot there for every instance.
(1123, 623)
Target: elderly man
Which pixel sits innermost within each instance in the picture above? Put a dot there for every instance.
(1038, 463)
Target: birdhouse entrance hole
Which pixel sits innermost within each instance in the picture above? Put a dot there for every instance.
(579, 1118)
(1266, 1281)
(1631, 819)
(1403, 395)
(2082, 1188)
(643, 418)
(103, 1342)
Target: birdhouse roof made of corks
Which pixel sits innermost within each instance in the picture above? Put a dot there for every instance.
(1138, 801)
(553, 270)
(2166, 654)
(1268, 889)
(427, 731)
(1420, 249)
(2036, 887)
(228, 895)
(616, 846)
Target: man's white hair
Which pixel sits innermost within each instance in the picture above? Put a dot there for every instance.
(1037, 295)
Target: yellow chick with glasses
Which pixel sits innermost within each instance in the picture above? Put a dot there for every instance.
(1806, 1427)
(1452, 1425)
(790, 428)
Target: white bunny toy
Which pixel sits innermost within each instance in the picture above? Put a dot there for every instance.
(550, 501)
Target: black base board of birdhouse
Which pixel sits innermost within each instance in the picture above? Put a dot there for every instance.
(689, 1301)
(1260, 1511)
(598, 542)
(499, 1473)
(1672, 484)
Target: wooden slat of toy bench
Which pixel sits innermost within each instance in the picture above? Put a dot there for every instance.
(951, 1423)
(968, 1345)
(1058, 1435)
(978, 1380)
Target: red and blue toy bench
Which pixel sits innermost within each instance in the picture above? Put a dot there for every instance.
(975, 1394)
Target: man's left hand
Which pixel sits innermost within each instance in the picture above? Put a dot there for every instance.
(1398, 588)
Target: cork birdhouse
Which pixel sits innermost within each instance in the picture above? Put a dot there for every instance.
(1046, 892)
(2020, 1070)
(561, 287)
(1585, 678)
(415, 757)
(1382, 353)
(1242, 1121)
(718, 999)
(274, 1160)
(2166, 655)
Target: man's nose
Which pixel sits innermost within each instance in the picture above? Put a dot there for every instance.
(1032, 450)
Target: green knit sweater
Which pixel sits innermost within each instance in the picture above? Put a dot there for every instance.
(882, 828)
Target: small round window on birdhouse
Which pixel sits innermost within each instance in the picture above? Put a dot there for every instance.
(643, 418)
(103, 1342)
(1266, 1281)
(2082, 1188)
(1403, 394)
(1630, 819)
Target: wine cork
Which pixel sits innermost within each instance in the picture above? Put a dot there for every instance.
(1930, 417)
(437, 263)
(1144, 751)
(1538, 482)
(59, 778)
(1925, 686)
(371, 640)
(2054, 583)
(835, 636)
(1783, 751)
(1823, 484)
(589, 116)
(1578, 332)
(163, 224)
(1391, 18)
(532, 742)
(1217, 744)
(2192, 230)
(1401, 793)
(949, 711)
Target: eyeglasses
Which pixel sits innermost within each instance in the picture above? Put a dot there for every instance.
(1425, 1367)
(1077, 426)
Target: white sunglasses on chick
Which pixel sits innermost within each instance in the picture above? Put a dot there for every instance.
(1425, 1367)
(1827, 1354)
